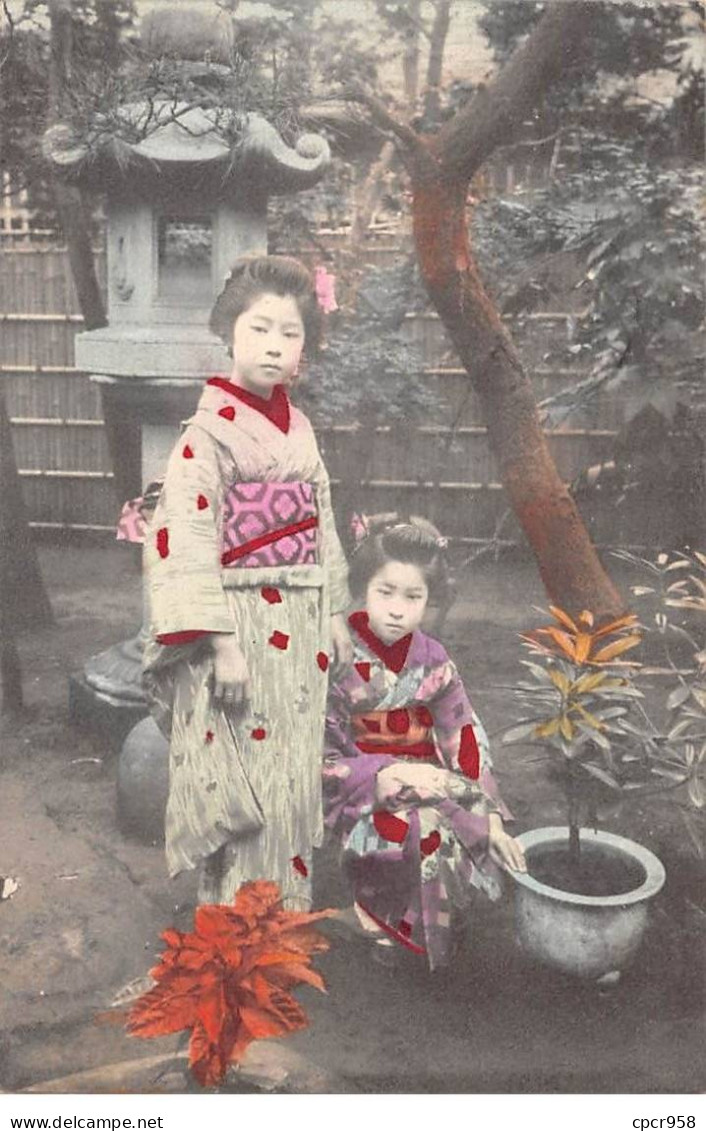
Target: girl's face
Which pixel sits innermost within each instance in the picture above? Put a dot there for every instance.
(396, 600)
(268, 339)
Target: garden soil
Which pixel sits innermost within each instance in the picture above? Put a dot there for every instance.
(85, 919)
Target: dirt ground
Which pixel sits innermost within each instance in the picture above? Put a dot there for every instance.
(86, 918)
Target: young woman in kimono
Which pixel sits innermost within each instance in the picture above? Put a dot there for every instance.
(407, 777)
(247, 587)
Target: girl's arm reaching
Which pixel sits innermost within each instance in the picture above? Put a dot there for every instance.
(403, 784)
(504, 849)
(464, 747)
(463, 742)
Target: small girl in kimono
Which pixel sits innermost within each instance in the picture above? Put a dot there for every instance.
(407, 778)
(247, 586)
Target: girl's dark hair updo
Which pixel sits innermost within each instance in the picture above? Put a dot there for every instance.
(255, 275)
(416, 542)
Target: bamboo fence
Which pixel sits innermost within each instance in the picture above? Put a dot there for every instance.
(62, 455)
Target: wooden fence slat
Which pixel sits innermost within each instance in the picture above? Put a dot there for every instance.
(42, 369)
(61, 473)
(53, 422)
(40, 317)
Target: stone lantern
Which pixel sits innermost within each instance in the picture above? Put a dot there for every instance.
(186, 193)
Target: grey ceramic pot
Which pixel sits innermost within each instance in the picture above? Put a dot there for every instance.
(588, 936)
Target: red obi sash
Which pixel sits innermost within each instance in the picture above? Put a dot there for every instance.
(405, 732)
(269, 524)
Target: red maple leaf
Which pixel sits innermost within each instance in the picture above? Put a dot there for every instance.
(229, 980)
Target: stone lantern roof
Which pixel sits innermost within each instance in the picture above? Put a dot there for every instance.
(153, 144)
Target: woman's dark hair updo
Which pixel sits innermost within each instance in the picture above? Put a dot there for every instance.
(255, 275)
(416, 542)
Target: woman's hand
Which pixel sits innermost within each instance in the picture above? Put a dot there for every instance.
(341, 644)
(504, 849)
(402, 784)
(231, 682)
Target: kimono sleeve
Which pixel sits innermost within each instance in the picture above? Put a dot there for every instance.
(333, 558)
(182, 546)
(461, 737)
(349, 778)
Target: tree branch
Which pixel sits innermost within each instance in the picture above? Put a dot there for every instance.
(8, 17)
(557, 41)
(414, 150)
(73, 213)
(410, 18)
(439, 33)
(382, 117)
(530, 143)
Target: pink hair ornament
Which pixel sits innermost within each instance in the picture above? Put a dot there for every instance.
(325, 285)
(360, 527)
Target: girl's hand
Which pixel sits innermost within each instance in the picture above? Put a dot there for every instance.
(341, 644)
(402, 784)
(231, 682)
(503, 848)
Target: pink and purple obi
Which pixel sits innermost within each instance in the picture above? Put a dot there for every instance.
(269, 524)
(263, 524)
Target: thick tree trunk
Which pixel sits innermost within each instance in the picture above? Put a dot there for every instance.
(23, 598)
(568, 563)
(441, 169)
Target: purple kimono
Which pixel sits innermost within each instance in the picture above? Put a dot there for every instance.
(410, 863)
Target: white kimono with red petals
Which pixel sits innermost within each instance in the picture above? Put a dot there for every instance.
(245, 786)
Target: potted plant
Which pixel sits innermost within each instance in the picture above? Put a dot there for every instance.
(582, 906)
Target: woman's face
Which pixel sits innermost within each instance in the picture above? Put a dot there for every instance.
(268, 339)
(396, 600)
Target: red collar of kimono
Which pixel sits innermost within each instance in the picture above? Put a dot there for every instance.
(275, 409)
(393, 656)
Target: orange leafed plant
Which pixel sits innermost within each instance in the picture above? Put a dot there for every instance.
(580, 682)
(580, 643)
(229, 980)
